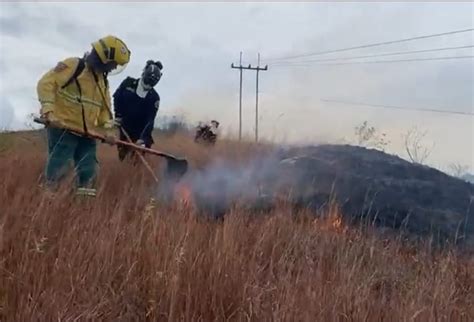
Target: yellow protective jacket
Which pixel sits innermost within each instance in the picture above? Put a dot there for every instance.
(85, 107)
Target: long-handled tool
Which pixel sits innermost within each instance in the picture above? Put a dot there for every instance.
(142, 158)
(176, 167)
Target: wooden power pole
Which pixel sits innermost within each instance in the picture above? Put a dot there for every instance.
(257, 69)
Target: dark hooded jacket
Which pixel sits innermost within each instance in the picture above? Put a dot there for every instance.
(137, 114)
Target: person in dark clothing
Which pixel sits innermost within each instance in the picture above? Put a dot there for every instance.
(136, 104)
(207, 133)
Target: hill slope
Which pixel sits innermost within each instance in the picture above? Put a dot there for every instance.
(123, 257)
(384, 189)
(368, 185)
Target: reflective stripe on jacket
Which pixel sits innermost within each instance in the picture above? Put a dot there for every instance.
(73, 105)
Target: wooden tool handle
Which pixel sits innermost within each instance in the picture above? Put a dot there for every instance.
(102, 138)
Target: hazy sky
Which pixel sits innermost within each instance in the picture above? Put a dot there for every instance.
(197, 42)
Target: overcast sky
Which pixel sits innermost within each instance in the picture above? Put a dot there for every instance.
(197, 43)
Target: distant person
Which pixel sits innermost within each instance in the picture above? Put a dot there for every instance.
(207, 133)
(75, 94)
(136, 104)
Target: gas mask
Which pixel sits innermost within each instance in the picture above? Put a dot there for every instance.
(151, 74)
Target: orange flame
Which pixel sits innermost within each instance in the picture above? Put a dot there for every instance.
(333, 223)
(183, 195)
(336, 223)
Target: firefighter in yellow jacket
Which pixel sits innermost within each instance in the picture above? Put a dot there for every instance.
(75, 95)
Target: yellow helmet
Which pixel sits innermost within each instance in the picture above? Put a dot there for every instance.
(112, 49)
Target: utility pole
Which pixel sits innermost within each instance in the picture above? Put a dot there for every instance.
(241, 68)
(258, 69)
(240, 99)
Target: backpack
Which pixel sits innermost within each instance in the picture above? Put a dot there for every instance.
(79, 69)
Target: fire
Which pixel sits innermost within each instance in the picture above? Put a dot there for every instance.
(336, 223)
(183, 195)
(333, 222)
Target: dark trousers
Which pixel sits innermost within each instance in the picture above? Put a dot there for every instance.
(63, 146)
(124, 151)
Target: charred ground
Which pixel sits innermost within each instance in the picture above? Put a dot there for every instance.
(370, 186)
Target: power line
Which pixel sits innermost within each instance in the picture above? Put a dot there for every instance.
(395, 107)
(372, 45)
(379, 61)
(373, 56)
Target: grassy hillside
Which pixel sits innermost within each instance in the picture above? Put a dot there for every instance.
(122, 257)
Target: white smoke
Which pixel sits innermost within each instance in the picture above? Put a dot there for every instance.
(224, 183)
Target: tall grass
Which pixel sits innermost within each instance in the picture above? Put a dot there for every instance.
(121, 257)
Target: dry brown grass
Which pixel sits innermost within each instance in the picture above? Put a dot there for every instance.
(121, 258)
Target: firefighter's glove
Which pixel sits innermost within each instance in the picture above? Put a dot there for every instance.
(109, 139)
(140, 143)
(109, 124)
(118, 122)
(50, 119)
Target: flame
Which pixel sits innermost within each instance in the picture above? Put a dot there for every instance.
(333, 222)
(336, 223)
(184, 195)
